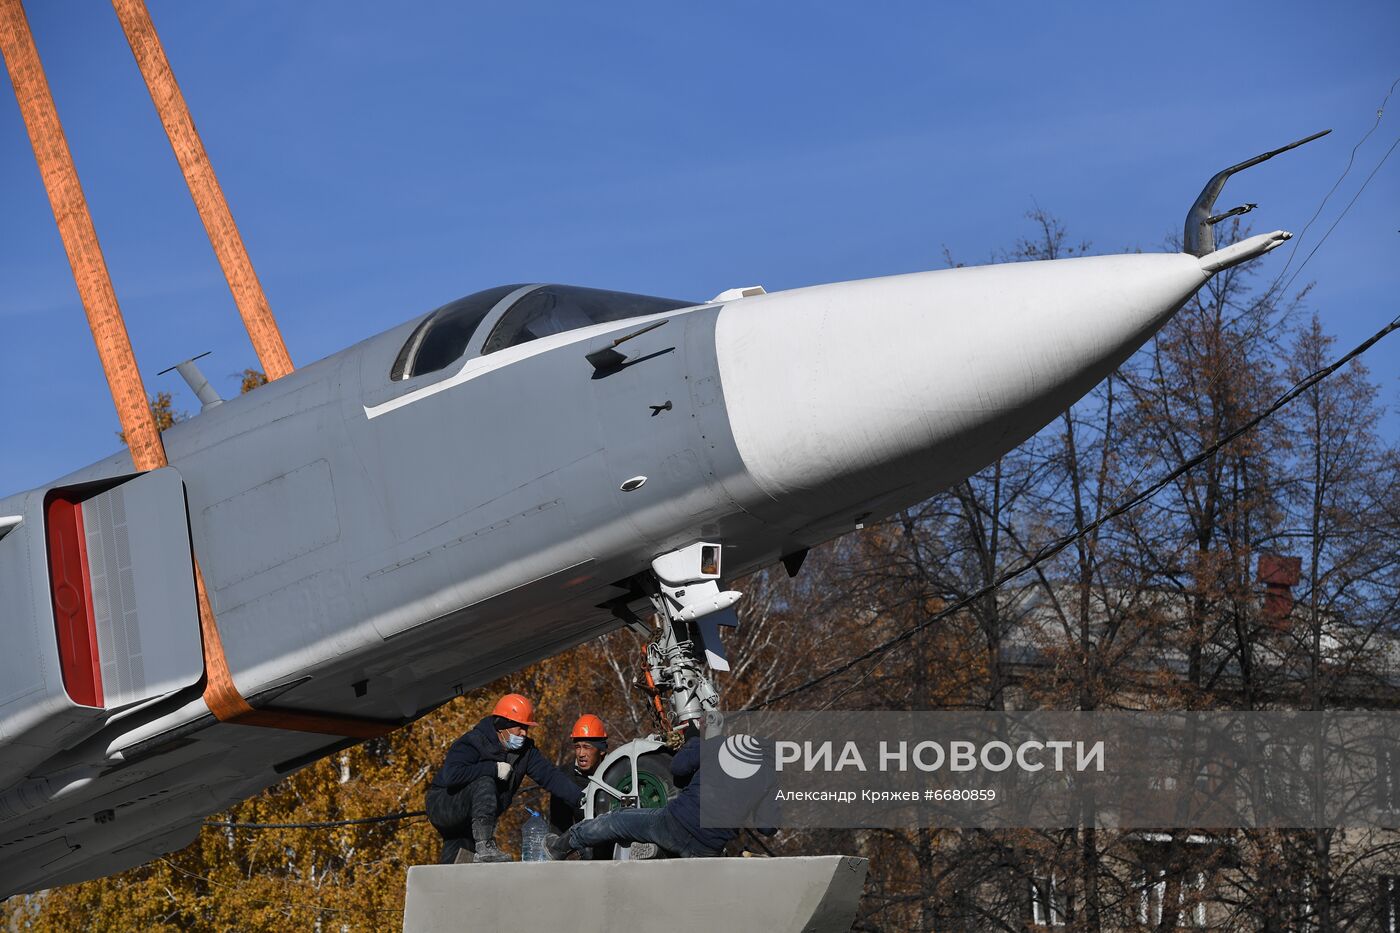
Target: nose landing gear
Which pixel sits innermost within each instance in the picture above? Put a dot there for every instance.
(691, 609)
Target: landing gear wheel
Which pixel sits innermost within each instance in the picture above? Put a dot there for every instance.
(655, 788)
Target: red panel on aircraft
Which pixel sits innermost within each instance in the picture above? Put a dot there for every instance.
(71, 587)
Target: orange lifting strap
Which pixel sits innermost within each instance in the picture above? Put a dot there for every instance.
(204, 188)
(119, 362)
(79, 238)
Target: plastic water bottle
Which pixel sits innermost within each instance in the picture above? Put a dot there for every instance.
(532, 838)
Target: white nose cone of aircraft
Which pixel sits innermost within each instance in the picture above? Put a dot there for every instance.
(839, 393)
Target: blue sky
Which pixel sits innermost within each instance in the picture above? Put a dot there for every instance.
(381, 161)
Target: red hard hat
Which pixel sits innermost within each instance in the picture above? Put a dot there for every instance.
(589, 727)
(516, 708)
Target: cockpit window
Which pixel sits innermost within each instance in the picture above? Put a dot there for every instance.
(553, 309)
(443, 336)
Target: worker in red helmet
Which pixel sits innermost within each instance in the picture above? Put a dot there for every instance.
(480, 776)
(590, 746)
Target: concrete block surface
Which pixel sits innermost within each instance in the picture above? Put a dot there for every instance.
(815, 894)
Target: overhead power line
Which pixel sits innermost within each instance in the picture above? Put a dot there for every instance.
(1351, 161)
(285, 906)
(1059, 544)
(1344, 212)
(332, 824)
(322, 824)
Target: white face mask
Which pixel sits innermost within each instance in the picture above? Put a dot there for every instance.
(514, 742)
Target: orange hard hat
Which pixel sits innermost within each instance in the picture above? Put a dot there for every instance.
(589, 727)
(516, 708)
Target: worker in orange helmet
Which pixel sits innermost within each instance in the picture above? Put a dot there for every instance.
(590, 745)
(480, 776)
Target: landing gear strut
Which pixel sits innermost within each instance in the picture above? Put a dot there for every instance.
(690, 610)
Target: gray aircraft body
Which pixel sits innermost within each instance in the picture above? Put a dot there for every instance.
(487, 485)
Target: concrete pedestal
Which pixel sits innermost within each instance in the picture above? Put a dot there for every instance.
(719, 895)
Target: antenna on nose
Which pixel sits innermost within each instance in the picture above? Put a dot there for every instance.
(1199, 238)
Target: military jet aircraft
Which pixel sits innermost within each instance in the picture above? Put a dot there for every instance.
(491, 483)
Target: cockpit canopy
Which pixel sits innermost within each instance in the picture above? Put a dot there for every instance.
(536, 311)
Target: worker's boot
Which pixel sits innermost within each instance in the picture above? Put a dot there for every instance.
(486, 848)
(556, 846)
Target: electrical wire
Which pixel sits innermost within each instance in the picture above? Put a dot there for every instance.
(323, 824)
(1342, 214)
(283, 905)
(1298, 241)
(1054, 547)
(331, 824)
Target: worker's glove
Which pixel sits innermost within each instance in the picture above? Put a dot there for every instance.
(502, 770)
(674, 740)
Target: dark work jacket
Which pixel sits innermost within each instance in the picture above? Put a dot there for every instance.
(685, 808)
(566, 811)
(476, 754)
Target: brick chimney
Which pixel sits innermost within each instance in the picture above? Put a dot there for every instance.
(1279, 575)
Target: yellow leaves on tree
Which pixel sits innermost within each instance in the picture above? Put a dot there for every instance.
(163, 411)
(251, 379)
